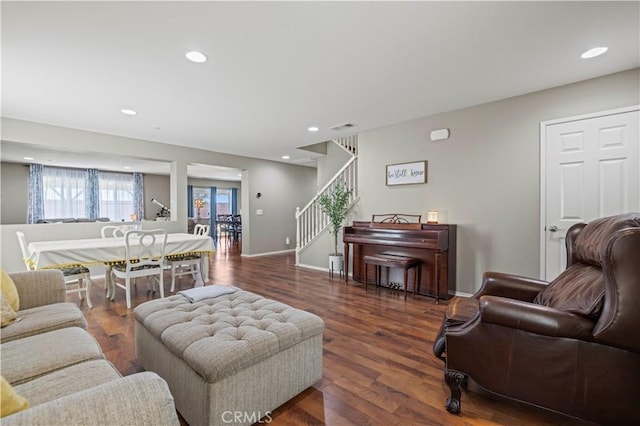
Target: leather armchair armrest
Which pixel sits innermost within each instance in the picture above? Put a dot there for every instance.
(534, 318)
(510, 286)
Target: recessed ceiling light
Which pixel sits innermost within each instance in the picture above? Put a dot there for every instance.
(194, 56)
(285, 157)
(313, 129)
(127, 168)
(128, 112)
(592, 53)
(28, 158)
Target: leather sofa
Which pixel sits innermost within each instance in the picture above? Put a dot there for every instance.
(50, 359)
(572, 345)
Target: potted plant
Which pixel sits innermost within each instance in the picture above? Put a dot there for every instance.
(335, 204)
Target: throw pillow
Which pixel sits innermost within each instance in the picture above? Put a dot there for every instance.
(10, 401)
(9, 290)
(7, 313)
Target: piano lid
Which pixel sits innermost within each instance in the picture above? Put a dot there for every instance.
(419, 235)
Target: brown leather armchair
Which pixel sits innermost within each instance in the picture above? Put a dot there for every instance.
(571, 346)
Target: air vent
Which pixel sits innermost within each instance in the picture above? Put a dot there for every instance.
(344, 126)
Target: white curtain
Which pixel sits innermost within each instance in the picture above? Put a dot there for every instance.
(116, 196)
(64, 192)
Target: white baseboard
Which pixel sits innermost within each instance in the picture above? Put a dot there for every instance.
(461, 294)
(318, 268)
(268, 253)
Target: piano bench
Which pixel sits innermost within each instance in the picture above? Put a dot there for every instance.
(393, 261)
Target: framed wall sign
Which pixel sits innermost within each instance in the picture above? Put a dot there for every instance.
(406, 173)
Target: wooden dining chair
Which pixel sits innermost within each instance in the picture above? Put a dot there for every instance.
(190, 263)
(144, 257)
(74, 274)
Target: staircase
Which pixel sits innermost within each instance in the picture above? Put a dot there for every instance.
(310, 220)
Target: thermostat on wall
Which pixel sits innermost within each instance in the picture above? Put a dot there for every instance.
(440, 134)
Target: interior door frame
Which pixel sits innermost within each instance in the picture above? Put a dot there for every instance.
(543, 171)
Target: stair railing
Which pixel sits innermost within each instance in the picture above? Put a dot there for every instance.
(310, 220)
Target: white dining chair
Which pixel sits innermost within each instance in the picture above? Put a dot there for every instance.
(74, 274)
(188, 264)
(112, 231)
(144, 257)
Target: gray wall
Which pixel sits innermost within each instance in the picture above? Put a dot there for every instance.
(329, 164)
(158, 188)
(14, 192)
(15, 187)
(486, 177)
(297, 184)
(285, 184)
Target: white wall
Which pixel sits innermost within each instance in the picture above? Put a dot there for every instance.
(485, 177)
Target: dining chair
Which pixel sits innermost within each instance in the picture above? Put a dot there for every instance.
(73, 273)
(190, 263)
(237, 228)
(144, 257)
(111, 231)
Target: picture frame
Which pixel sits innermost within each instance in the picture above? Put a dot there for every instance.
(406, 173)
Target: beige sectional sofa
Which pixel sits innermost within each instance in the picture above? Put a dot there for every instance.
(51, 360)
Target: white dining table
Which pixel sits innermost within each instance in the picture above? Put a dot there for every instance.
(100, 251)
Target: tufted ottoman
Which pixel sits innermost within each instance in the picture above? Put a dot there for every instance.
(230, 359)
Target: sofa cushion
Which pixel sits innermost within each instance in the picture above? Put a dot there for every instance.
(579, 290)
(139, 399)
(9, 290)
(67, 381)
(42, 319)
(31, 357)
(592, 240)
(10, 401)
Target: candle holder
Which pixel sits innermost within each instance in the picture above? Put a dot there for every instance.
(432, 217)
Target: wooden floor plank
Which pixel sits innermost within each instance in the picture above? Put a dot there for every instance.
(378, 365)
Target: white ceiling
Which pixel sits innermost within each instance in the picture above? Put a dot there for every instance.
(276, 68)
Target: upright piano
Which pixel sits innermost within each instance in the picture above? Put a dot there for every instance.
(433, 244)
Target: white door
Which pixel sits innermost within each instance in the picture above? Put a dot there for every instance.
(590, 170)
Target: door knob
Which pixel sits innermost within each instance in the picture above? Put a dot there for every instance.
(553, 228)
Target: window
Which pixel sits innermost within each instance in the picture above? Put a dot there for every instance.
(116, 196)
(64, 192)
(56, 192)
(201, 202)
(223, 201)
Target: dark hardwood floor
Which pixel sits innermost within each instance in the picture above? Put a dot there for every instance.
(378, 364)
